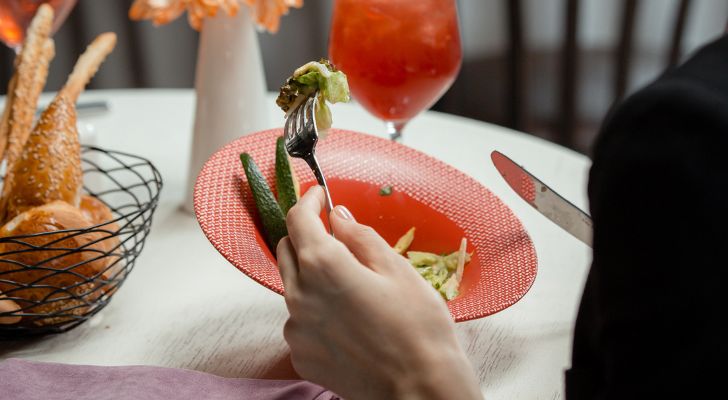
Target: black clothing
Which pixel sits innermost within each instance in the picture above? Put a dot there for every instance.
(652, 318)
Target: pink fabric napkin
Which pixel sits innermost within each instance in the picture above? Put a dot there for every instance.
(28, 380)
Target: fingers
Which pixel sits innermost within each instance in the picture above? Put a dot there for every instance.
(287, 264)
(304, 225)
(363, 241)
(321, 260)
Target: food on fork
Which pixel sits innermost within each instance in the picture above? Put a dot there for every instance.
(311, 78)
(26, 85)
(50, 166)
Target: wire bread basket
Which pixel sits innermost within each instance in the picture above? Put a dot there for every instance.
(58, 279)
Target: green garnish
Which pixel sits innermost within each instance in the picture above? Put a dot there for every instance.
(385, 190)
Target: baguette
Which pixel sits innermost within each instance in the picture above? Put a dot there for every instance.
(87, 65)
(29, 80)
(50, 167)
(5, 119)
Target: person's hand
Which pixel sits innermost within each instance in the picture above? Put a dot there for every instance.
(363, 323)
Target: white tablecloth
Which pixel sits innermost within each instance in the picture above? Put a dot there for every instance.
(185, 306)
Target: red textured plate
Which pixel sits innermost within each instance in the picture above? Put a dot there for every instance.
(443, 204)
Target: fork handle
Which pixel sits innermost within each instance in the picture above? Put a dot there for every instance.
(313, 163)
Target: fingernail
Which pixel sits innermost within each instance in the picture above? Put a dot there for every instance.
(343, 212)
(315, 188)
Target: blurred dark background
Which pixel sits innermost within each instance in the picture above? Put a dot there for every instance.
(547, 67)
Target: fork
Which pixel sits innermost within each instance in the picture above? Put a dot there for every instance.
(301, 137)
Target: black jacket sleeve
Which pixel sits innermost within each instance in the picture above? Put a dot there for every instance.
(652, 319)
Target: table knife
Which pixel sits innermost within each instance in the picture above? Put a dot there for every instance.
(84, 109)
(544, 199)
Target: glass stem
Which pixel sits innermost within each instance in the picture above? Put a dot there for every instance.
(394, 129)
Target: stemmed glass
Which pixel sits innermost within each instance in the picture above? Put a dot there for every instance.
(15, 16)
(400, 56)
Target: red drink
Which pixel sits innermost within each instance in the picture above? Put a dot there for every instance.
(399, 56)
(15, 16)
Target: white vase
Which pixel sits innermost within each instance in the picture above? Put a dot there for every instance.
(230, 88)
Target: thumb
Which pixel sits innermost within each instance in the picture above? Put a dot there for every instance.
(363, 241)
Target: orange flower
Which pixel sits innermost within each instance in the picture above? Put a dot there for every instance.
(266, 13)
(159, 11)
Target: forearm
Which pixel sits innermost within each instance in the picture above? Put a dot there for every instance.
(443, 375)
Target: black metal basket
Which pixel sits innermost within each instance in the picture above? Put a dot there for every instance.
(72, 274)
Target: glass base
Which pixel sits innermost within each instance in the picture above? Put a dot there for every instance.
(394, 129)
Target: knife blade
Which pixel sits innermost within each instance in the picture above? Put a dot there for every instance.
(84, 109)
(544, 199)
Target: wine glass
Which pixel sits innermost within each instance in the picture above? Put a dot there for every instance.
(15, 16)
(400, 56)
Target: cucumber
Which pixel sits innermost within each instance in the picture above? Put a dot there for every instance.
(286, 182)
(271, 216)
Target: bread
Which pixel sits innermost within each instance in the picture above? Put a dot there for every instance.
(27, 84)
(88, 64)
(7, 115)
(99, 213)
(8, 306)
(26, 98)
(95, 210)
(50, 166)
(46, 269)
(60, 261)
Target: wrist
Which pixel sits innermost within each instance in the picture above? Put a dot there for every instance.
(442, 375)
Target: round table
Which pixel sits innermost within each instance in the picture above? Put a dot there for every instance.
(184, 306)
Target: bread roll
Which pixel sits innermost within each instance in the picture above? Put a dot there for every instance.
(95, 210)
(56, 264)
(98, 213)
(8, 306)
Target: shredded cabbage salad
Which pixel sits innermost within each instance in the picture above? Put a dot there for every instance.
(315, 78)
